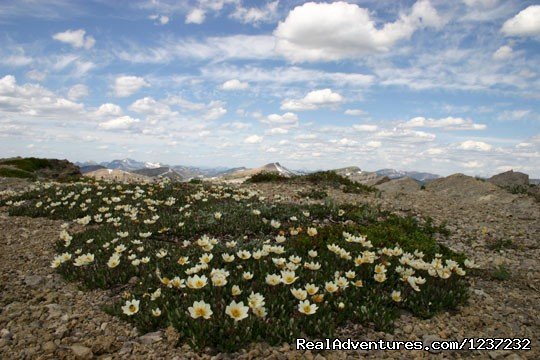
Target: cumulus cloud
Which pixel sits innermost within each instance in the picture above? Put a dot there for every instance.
(119, 123)
(475, 145)
(33, 100)
(405, 135)
(76, 38)
(234, 84)
(288, 119)
(108, 109)
(150, 106)
(525, 23)
(128, 85)
(338, 30)
(253, 139)
(313, 100)
(448, 123)
(503, 53)
(195, 16)
(77, 92)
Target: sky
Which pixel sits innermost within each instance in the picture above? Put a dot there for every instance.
(437, 86)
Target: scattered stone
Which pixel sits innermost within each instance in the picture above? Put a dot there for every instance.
(151, 338)
(33, 280)
(81, 351)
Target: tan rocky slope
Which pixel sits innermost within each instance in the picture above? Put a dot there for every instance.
(117, 175)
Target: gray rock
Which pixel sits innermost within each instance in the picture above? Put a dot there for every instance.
(82, 352)
(49, 347)
(151, 338)
(428, 340)
(33, 280)
(510, 179)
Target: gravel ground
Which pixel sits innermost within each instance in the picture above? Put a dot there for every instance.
(43, 317)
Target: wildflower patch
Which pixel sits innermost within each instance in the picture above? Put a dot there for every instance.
(226, 267)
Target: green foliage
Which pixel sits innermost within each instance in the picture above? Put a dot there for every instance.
(266, 177)
(15, 173)
(500, 244)
(167, 221)
(331, 178)
(314, 194)
(30, 164)
(501, 273)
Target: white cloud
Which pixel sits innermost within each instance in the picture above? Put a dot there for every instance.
(435, 151)
(109, 109)
(36, 75)
(333, 31)
(195, 16)
(77, 92)
(253, 139)
(473, 164)
(149, 106)
(119, 123)
(525, 23)
(254, 15)
(234, 84)
(365, 127)
(475, 145)
(374, 144)
(286, 75)
(128, 85)
(355, 112)
(277, 131)
(503, 53)
(215, 110)
(405, 136)
(313, 100)
(481, 3)
(518, 114)
(216, 48)
(160, 19)
(448, 123)
(16, 60)
(33, 100)
(75, 38)
(287, 119)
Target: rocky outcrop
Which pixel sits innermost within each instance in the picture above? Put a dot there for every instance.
(35, 168)
(510, 179)
(402, 185)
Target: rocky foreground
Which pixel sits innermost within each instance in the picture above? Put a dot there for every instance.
(44, 317)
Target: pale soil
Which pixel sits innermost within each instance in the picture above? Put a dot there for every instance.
(43, 317)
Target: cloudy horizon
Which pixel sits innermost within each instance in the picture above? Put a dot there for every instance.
(434, 86)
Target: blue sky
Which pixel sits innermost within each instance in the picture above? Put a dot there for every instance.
(439, 86)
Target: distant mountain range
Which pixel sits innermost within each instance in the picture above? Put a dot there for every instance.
(144, 168)
(182, 172)
(243, 173)
(416, 175)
